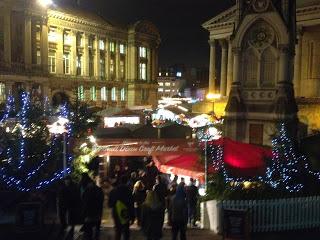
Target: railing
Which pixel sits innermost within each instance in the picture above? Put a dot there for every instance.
(23, 69)
(280, 214)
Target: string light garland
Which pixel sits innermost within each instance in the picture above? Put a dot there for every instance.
(283, 172)
(21, 180)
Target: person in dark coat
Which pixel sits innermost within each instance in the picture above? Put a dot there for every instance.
(139, 195)
(160, 188)
(92, 210)
(192, 200)
(179, 214)
(85, 179)
(151, 212)
(121, 202)
(68, 199)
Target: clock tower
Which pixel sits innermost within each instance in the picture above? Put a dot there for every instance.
(262, 94)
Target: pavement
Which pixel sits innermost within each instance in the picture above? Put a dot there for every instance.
(107, 233)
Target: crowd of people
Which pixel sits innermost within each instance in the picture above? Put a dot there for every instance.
(144, 197)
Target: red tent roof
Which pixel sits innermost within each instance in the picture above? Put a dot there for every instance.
(241, 159)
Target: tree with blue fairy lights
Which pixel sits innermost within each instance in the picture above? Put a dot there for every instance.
(29, 159)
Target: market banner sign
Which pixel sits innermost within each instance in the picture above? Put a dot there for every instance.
(149, 147)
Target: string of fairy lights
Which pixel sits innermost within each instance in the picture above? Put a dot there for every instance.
(283, 171)
(21, 180)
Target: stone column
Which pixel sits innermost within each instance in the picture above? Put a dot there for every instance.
(44, 44)
(133, 61)
(224, 65)
(154, 64)
(27, 41)
(8, 89)
(212, 67)
(236, 65)
(7, 35)
(97, 58)
(60, 50)
(107, 54)
(73, 53)
(34, 40)
(283, 65)
(85, 57)
(117, 60)
(297, 65)
(230, 67)
(149, 64)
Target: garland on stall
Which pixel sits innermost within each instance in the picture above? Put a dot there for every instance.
(284, 171)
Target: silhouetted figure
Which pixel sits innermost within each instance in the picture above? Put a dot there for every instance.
(121, 202)
(151, 213)
(68, 200)
(192, 200)
(160, 188)
(92, 210)
(139, 195)
(179, 214)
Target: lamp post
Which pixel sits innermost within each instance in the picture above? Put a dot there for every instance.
(59, 127)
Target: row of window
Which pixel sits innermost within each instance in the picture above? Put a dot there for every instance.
(167, 84)
(167, 90)
(103, 92)
(79, 63)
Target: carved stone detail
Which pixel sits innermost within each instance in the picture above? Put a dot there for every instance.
(261, 36)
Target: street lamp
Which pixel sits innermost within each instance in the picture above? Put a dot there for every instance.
(45, 3)
(59, 127)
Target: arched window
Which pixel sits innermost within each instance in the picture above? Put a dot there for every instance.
(268, 68)
(250, 68)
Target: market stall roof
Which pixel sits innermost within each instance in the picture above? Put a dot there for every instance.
(116, 132)
(146, 131)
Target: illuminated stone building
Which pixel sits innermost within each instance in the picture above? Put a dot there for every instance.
(63, 53)
(269, 66)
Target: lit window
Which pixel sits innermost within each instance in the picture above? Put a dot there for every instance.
(52, 35)
(81, 93)
(142, 52)
(111, 66)
(159, 74)
(121, 69)
(143, 71)
(66, 63)
(101, 45)
(91, 65)
(102, 67)
(167, 84)
(160, 83)
(52, 62)
(112, 47)
(93, 93)
(179, 74)
(90, 43)
(79, 65)
(160, 90)
(123, 94)
(2, 92)
(113, 94)
(38, 57)
(167, 74)
(122, 49)
(67, 40)
(167, 90)
(173, 84)
(104, 94)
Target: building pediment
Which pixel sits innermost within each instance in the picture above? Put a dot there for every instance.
(225, 18)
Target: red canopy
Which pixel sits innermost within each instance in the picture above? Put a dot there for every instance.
(241, 159)
(186, 165)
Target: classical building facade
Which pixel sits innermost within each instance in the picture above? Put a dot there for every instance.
(268, 67)
(65, 53)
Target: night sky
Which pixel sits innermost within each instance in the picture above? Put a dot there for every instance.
(179, 21)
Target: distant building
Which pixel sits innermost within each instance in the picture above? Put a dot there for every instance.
(65, 53)
(190, 81)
